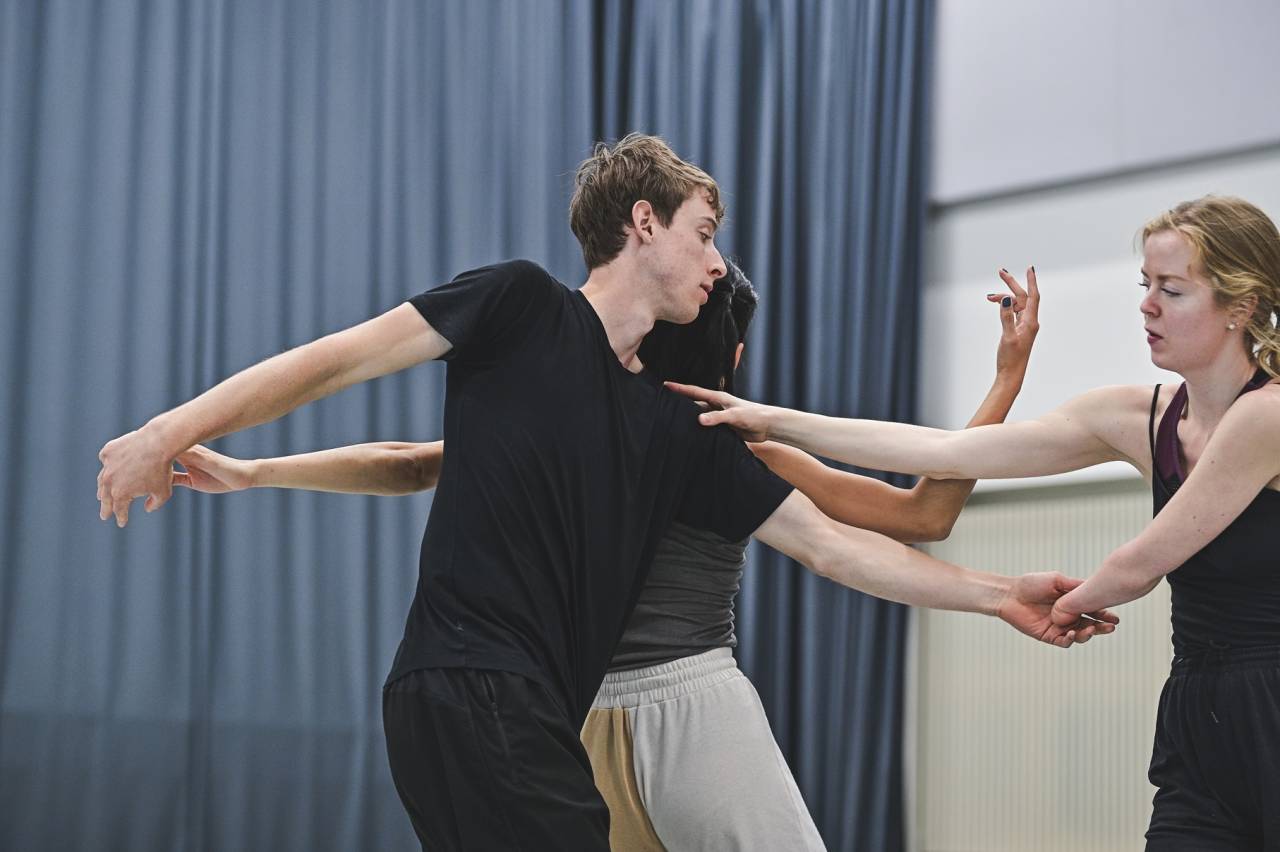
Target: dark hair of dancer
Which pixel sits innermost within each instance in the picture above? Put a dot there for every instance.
(702, 352)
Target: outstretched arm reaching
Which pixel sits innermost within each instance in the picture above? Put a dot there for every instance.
(887, 569)
(386, 467)
(1240, 459)
(927, 511)
(140, 463)
(1107, 424)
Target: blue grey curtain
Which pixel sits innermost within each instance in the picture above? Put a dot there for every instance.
(187, 188)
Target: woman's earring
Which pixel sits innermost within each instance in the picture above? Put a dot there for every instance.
(1231, 326)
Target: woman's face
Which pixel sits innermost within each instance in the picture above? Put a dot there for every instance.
(1186, 327)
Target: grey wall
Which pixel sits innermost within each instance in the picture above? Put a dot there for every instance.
(1036, 93)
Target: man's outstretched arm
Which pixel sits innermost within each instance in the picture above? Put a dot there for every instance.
(140, 462)
(886, 569)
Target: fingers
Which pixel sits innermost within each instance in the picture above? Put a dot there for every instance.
(195, 452)
(715, 417)
(703, 394)
(1104, 615)
(1064, 584)
(181, 479)
(121, 511)
(1019, 295)
(1062, 618)
(155, 501)
(1008, 322)
(1033, 294)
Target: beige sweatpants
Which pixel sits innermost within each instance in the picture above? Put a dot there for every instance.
(685, 759)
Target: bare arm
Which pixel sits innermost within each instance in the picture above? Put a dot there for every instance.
(887, 569)
(927, 511)
(140, 462)
(387, 467)
(1083, 432)
(1240, 459)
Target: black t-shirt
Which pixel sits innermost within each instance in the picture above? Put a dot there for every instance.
(563, 471)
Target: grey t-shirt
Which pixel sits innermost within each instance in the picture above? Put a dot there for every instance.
(686, 606)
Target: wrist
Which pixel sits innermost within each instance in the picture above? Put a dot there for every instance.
(995, 593)
(165, 435)
(1009, 379)
(777, 426)
(1070, 602)
(255, 471)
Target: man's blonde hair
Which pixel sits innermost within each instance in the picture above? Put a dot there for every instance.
(609, 183)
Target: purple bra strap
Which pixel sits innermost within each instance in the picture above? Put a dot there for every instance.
(1167, 460)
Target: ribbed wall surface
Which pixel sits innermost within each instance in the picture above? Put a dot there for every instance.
(1022, 746)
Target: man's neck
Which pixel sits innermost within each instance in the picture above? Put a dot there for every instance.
(622, 310)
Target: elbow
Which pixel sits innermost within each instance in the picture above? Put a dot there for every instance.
(426, 467)
(419, 474)
(403, 474)
(828, 555)
(821, 564)
(931, 530)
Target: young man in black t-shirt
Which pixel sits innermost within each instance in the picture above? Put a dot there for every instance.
(565, 466)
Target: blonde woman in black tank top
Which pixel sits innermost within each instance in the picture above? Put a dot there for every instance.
(1211, 448)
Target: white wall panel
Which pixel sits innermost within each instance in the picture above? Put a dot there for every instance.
(1021, 746)
(1035, 93)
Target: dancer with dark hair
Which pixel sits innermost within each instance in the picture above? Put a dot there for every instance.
(678, 740)
(1211, 449)
(566, 465)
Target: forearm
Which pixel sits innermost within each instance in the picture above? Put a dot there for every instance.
(896, 447)
(385, 468)
(1123, 576)
(936, 503)
(256, 395)
(887, 569)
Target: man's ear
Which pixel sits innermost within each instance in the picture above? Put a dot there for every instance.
(643, 220)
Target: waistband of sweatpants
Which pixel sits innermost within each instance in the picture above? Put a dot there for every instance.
(1225, 657)
(652, 684)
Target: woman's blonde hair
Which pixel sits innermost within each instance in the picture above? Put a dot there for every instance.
(1239, 247)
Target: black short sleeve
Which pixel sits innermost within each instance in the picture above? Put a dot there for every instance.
(486, 311)
(730, 492)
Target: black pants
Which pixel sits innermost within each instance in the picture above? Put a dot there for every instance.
(488, 760)
(1216, 761)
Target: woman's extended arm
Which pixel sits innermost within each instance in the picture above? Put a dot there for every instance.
(1108, 424)
(929, 510)
(1240, 459)
(388, 467)
(1099, 426)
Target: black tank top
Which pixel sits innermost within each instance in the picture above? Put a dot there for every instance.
(1227, 594)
